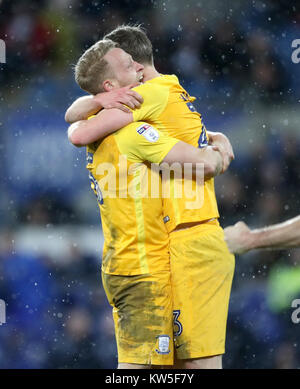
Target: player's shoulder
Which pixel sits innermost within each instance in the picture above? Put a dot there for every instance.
(162, 83)
(128, 131)
(169, 79)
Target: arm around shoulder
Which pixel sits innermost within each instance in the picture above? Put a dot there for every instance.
(184, 153)
(104, 123)
(82, 108)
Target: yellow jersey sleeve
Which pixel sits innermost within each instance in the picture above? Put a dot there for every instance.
(155, 101)
(141, 142)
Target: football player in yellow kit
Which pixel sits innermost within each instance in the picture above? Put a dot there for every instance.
(136, 270)
(201, 265)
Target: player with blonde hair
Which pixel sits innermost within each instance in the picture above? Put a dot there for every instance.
(201, 265)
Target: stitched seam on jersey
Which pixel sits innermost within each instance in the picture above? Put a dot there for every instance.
(172, 183)
(140, 225)
(174, 201)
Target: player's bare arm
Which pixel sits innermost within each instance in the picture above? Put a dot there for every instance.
(107, 121)
(241, 239)
(209, 156)
(120, 98)
(104, 123)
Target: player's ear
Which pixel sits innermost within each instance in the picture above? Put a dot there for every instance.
(108, 85)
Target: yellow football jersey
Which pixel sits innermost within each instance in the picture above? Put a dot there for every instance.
(128, 191)
(168, 107)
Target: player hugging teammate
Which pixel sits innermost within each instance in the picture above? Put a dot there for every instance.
(166, 268)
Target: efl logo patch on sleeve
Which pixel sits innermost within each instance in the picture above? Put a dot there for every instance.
(148, 132)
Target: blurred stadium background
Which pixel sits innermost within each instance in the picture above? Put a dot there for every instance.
(236, 59)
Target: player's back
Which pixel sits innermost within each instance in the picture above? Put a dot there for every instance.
(169, 108)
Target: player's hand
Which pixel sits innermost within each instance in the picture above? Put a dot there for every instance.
(222, 143)
(238, 238)
(118, 97)
(225, 158)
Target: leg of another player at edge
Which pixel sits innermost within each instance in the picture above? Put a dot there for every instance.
(214, 362)
(132, 366)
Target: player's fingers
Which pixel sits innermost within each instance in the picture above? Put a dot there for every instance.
(127, 100)
(136, 102)
(226, 164)
(129, 103)
(232, 153)
(136, 95)
(227, 233)
(122, 108)
(131, 98)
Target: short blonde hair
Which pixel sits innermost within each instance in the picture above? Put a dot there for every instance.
(92, 69)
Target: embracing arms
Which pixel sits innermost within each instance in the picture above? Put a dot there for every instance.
(216, 158)
(189, 156)
(86, 106)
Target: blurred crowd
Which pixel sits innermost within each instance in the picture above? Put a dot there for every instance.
(239, 54)
(57, 314)
(232, 60)
(263, 189)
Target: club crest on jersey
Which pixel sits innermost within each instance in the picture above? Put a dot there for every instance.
(148, 132)
(163, 344)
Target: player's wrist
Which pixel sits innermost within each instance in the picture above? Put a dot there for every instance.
(98, 101)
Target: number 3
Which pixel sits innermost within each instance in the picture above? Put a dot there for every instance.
(177, 323)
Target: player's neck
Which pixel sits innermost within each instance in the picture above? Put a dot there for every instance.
(150, 72)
